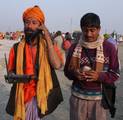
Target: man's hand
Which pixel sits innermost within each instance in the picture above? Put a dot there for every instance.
(53, 57)
(92, 75)
(79, 75)
(45, 32)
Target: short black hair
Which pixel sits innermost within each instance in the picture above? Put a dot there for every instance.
(90, 20)
(59, 32)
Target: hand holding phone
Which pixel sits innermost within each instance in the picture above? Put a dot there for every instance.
(45, 32)
(80, 75)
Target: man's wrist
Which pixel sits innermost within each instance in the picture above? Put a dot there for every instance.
(50, 47)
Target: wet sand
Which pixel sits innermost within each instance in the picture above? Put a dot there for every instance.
(62, 112)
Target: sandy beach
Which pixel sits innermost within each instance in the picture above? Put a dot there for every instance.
(62, 112)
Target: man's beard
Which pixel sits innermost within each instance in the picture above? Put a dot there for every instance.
(30, 35)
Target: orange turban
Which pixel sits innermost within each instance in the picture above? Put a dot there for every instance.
(34, 12)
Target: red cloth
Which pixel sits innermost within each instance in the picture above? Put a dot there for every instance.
(29, 88)
(11, 64)
(58, 53)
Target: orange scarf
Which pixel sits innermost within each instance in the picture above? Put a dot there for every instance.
(44, 84)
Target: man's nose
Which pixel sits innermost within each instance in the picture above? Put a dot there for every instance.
(88, 33)
(30, 25)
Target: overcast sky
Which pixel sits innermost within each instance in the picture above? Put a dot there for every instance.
(63, 15)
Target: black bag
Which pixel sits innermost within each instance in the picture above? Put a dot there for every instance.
(108, 98)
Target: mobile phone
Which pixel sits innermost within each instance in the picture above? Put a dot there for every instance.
(85, 68)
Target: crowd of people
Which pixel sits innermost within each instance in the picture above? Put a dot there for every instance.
(11, 35)
(90, 62)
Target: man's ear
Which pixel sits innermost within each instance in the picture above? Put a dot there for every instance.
(99, 28)
(41, 24)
